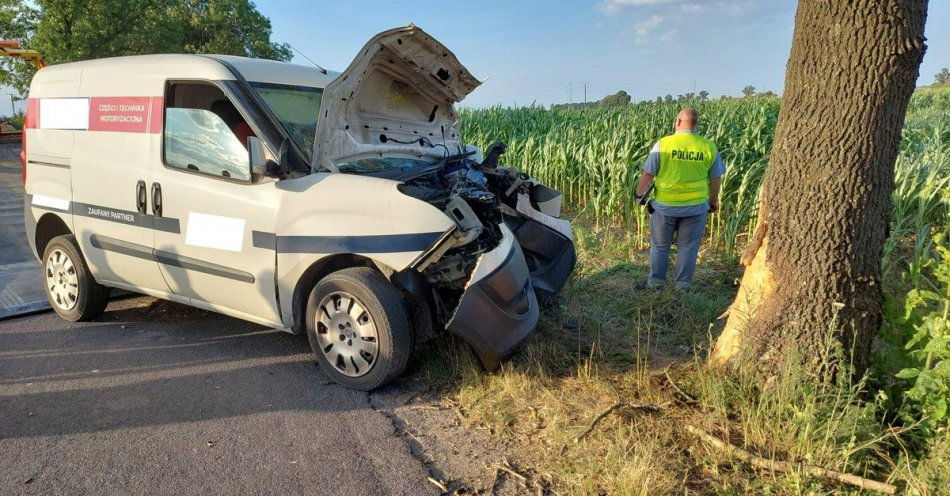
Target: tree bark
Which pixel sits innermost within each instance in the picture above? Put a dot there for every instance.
(813, 269)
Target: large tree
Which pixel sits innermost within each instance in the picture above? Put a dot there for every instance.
(17, 22)
(619, 98)
(69, 30)
(813, 268)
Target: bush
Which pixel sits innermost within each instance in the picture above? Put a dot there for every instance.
(17, 121)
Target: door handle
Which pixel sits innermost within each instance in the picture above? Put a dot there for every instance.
(141, 202)
(157, 199)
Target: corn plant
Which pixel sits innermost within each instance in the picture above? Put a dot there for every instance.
(594, 156)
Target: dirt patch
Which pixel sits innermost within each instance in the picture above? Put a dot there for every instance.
(464, 458)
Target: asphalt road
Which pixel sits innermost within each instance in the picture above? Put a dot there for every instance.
(159, 398)
(21, 285)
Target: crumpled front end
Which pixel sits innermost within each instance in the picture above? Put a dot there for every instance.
(507, 250)
(498, 308)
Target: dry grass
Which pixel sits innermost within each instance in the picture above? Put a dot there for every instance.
(608, 342)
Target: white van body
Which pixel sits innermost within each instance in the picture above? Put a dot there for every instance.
(236, 185)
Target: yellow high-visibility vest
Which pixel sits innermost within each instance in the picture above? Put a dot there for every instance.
(685, 160)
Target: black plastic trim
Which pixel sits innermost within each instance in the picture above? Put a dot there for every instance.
(554, 253)
(188, 263)
(166, 258)
(49, 164)
(374, 243)
(165, 224)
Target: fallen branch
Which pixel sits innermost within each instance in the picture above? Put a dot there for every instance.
(438, 484)
(597, 420)
(613, 408)
(410, 434)
(782, 466)
(459, 415)
(506, 467)
(689, 397)
(526, 482)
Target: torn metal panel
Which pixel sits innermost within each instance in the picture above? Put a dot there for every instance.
(498, 308)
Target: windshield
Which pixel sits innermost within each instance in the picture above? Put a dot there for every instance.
(382, 164)
(297, 109)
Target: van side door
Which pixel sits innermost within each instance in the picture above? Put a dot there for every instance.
(202, 177)
(110, 171)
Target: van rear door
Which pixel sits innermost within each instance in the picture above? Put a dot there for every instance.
(110, 178)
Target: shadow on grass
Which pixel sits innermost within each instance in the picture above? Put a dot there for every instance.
(602, 319)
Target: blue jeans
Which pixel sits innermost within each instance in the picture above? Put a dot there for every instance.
(689, 235)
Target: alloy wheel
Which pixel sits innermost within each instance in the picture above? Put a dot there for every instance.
(62, 281)
(347, 334)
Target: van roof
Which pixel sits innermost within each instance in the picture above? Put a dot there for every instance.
(191, 66)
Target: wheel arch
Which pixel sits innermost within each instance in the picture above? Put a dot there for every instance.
(320, 269)
(48, 227)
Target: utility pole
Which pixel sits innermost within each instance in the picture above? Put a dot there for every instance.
(585, 92)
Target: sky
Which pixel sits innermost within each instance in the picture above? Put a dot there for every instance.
(545, 52)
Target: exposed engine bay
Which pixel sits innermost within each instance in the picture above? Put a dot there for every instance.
(485, 200)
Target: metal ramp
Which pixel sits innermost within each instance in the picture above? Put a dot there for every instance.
(21, 284)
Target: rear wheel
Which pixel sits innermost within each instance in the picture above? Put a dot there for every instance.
(358, 328)
(70, 288)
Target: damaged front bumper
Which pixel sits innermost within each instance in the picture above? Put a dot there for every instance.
(498, 308)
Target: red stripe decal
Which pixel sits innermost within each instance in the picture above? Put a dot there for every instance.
(127, 114)
(156, 114)
(32, 119)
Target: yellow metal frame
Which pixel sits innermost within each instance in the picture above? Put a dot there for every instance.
(10, 48)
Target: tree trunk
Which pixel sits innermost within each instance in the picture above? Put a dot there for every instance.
(813, 269)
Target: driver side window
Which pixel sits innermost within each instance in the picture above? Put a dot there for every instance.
(202, 132)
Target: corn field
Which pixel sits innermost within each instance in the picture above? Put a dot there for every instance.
(594, 156)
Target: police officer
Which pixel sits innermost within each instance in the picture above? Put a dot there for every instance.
(685, 170)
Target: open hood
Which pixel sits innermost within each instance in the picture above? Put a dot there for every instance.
(396, 97)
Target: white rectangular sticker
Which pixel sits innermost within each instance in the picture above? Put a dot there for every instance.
(51, 202)
(215, 231)
(64, 113)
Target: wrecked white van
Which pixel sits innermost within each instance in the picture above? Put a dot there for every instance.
(343, 205)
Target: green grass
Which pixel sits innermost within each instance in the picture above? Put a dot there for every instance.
(607, 342)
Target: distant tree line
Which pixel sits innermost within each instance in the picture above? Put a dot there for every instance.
(942, 78)
(622, 98)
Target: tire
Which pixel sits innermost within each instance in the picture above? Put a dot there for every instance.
(344, 310)
(70, 288)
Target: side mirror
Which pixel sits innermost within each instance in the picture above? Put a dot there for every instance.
(256, 156)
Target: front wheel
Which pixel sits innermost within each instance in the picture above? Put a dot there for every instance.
(70, 288)
(358, 328)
